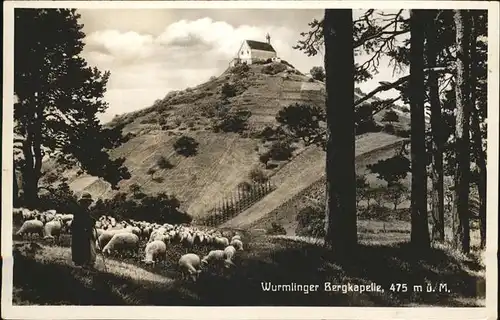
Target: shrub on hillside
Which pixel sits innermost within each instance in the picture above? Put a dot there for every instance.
(161, 208)
(240, 69)
(164, 163)
(390, 116)
(311, 222)
(59, 197)
(281, 150)
(389, 128)
(318, 73)
(235, 121)
(274, 68)
(151, 171)
(186, 146)
(257, 175)
(276, 229)
(269, 133)
(264, 158)
(228, 90)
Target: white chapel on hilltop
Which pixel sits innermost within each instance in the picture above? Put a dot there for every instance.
(251, 51)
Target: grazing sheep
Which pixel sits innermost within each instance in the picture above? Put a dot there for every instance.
(67, 217)
(229, 252)
(189, 265)
(213, 256)
(236, 237)
(107, 235)
(53, 229)
(121, 242)
(237, 244)
(221, 242)
(156, 250)
(31, 227)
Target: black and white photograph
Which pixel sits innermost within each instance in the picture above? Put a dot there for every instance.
(268, 154)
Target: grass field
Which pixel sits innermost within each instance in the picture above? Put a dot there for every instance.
(125, 281)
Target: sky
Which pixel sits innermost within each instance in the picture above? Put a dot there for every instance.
(151, 52)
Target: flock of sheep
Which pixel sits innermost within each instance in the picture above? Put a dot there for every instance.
(121, 237)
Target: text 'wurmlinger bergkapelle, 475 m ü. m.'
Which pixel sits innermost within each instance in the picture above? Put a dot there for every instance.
(325, 287)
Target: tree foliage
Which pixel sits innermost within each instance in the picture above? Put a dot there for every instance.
(186, 146)
(305, 122)
(58, 99)
(318, 73)
(391, 170)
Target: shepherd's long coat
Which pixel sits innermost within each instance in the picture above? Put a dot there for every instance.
(83, 249)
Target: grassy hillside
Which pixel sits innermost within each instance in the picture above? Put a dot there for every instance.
(307, 173)
(223, 159)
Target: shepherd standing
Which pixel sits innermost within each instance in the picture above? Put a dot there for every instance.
(83, 250)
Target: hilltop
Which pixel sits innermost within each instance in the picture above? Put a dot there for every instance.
(225, 159)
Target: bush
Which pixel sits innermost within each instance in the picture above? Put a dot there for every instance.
(232, 121)
(276, 229)
(281, 150)
(264, 158)
(274, 68)
(164, 163)
(240, 69)
(258, 176)
(318, 73)
(389, 128)
(390, 116)
(186, 146)
(59, 197)
(161, 208)
(228, 90)
(311, 222)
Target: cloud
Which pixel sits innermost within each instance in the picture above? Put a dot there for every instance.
(124, 46)
(146, 66)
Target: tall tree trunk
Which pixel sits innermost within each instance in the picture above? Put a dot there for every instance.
(436, 130)
(419, 224)
(476, 136)
(462, 175)
(341, 229)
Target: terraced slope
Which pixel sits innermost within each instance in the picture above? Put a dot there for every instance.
(224, 159)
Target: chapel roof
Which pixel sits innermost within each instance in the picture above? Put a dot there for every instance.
(257, 45)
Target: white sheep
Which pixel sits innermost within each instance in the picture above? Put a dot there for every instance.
(214, 256)
(122, 241)
(53, 229)
(156, 250)
(31, 227)
(237, 244)
(221, 242)
(107, 235)
(229, 253)
(190, 266)
(236, 237)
